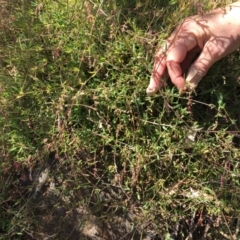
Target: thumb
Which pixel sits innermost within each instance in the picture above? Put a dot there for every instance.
(210, 54)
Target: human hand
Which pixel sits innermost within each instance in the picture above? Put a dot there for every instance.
(209, 37)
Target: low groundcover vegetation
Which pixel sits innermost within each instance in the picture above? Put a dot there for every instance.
(85, 153)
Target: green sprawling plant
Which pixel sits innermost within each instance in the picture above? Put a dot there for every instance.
(73, 78)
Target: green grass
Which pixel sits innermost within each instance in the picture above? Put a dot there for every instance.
(73, 79)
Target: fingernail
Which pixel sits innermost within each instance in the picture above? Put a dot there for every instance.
(151, 91)
(193, 78)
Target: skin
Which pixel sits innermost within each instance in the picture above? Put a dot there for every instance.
(195, 46)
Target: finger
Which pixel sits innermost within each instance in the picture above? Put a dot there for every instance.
(211, 53)
(189, 59)
(178, 71)
(175, 73)
(159, 71)
(182, 44)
